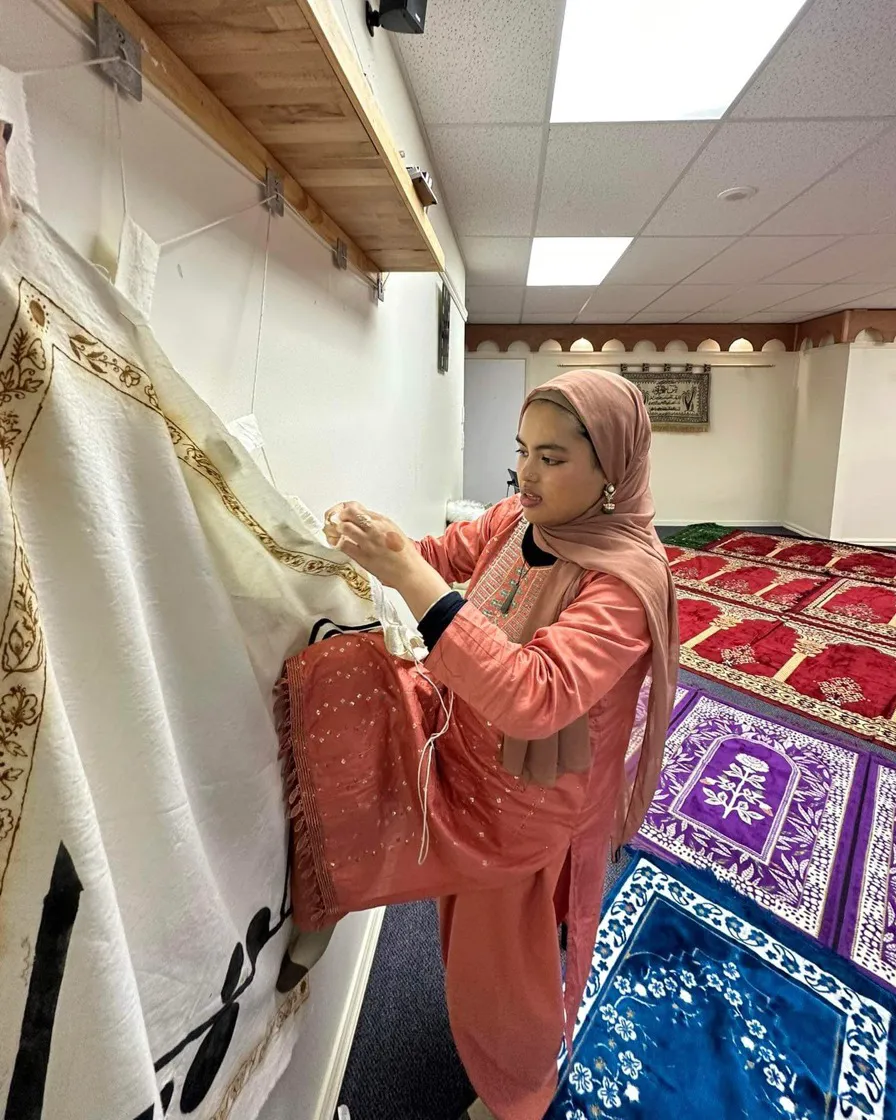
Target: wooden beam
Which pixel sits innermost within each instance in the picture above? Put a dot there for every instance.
(179, 84)
(342, 58)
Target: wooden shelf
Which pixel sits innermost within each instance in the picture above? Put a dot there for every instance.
(277, 85)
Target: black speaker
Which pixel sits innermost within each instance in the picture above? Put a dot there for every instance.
(404, 16)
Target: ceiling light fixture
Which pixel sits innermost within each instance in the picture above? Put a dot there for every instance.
(649, 60)
(561, 262)
(737, 194)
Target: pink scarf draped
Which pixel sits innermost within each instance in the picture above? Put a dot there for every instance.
(623, 544)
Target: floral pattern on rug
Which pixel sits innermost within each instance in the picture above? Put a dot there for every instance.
(767, 808)
(869, 610)
(868, 936)
(819, 672)
(697, 997)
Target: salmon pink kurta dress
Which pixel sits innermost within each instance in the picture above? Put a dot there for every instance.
(506, 858)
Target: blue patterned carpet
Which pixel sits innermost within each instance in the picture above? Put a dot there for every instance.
(698, 997)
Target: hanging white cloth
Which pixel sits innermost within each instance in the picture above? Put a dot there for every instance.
(152, 583)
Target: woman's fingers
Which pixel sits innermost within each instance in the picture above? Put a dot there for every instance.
(356, 514)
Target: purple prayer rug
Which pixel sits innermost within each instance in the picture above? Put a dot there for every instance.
(769, 809)
(868, 935)
(684, 697)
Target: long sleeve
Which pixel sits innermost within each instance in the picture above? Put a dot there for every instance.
(455, 555)
(532, 691)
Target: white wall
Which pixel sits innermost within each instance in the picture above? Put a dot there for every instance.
(736, 473)
(865, 496)
(348, 395)
(821, 389)
(494, 392)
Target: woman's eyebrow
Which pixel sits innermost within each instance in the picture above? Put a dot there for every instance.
(544, 446)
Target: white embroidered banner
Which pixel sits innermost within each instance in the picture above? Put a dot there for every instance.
(151, 584)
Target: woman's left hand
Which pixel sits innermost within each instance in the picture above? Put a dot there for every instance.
(381, 548)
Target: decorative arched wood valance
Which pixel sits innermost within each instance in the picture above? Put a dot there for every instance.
(871, 325)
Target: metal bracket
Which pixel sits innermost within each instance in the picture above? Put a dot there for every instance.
(273, 192)
(340, 255)
(379, 291)
(113, 41)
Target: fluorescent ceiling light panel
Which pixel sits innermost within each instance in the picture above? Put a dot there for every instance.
(560, 262)
(661, 60)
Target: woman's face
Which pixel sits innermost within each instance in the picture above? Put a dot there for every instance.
(558, 471)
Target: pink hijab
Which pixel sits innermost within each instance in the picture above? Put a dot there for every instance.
(623, 544)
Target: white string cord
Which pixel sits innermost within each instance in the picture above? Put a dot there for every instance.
(179, 117)
(124, 182)
(264, 288)
(213, 225)
(82, 65)
(424, 766)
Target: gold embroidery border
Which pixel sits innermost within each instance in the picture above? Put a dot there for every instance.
(25, 377)
(293, 1002)
(879, 728)
(95, 357)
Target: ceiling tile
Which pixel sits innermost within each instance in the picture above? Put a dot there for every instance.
(594, 318)
(844, 259)
(688, 299)
(880, 299)
(620, 299)
(657, 317)
(713, 317)
(495, 301)
(665, 260)
(772, 317)
(483, 317)
(851, 200)
(780, 158)
(829, 298)
(555, 304)
(490, 177)
(755, 258)
(605, 180)
(756, 297)
(883, 274)
(483, 63)
(496, 260)
(838, 61)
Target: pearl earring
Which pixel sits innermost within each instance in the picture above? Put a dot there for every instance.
(609, 505)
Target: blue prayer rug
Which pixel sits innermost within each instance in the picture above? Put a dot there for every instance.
(699, 1003)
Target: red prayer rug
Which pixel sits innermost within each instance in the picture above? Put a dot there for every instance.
(822, 673)
(768, 586)
(868, 609)
(811, 556)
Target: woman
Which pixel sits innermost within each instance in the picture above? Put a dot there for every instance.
(515, 731)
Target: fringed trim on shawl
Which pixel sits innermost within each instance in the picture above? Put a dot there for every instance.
(309, 865)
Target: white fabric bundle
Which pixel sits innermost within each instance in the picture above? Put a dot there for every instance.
(464, 509)
(151, 585)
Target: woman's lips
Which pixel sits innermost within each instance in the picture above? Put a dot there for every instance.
(529, 501)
